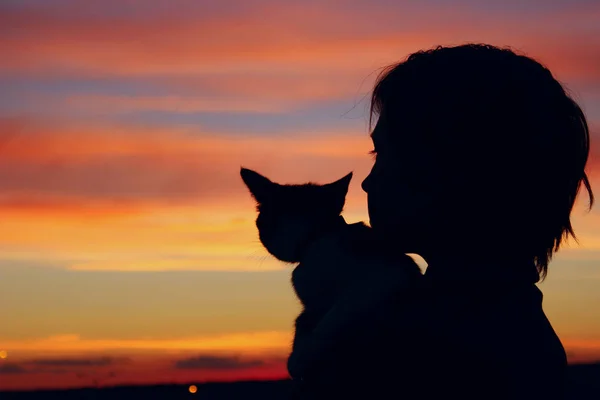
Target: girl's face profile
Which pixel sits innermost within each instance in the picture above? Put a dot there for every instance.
(399, 195)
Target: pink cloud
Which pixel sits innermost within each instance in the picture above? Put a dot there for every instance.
(309, 38)
(53, 161)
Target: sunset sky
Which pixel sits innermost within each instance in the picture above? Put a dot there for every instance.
(128, 252)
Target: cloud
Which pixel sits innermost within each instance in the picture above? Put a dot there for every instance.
(90, 196)
(582, 350)
(259, 92)
(309, 37)
(193, 43)
(78, 362)
(49, 161)
(11, 368)
(217, 362)
(60, 365)
(594, 159)
(243, 343)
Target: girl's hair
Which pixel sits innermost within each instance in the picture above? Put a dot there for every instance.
(504, 134)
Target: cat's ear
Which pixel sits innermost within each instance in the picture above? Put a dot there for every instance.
(338, 190)
(341, 185)
(258, 185)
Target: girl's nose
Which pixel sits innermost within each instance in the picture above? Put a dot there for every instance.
(366, 183)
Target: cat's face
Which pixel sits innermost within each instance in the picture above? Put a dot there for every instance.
(288, 214)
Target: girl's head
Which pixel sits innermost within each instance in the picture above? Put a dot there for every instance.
(478, 151)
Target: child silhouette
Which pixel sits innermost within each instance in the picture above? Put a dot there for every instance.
(479, 156)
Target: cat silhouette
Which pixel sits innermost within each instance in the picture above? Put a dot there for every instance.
(302, 223)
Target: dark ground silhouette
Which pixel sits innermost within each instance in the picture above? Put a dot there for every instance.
(584, 383)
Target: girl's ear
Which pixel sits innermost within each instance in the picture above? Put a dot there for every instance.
(260, 187)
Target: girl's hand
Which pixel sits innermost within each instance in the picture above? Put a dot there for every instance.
(361, 303)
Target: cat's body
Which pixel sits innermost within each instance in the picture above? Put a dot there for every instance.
(345, 251)
(302, 224)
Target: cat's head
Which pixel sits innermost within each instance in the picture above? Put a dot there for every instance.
(288, 214)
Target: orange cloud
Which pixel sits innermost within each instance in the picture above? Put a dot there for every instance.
(123, 164)
(157, 239)
(247, 344)
(582, 350)
(31, 140)
(131, 198)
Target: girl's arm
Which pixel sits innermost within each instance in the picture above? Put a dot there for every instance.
(361, 303)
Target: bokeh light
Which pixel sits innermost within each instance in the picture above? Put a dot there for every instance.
(3, 354)
(193, 389)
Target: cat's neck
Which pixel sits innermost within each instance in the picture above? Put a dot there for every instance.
(329, 227)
